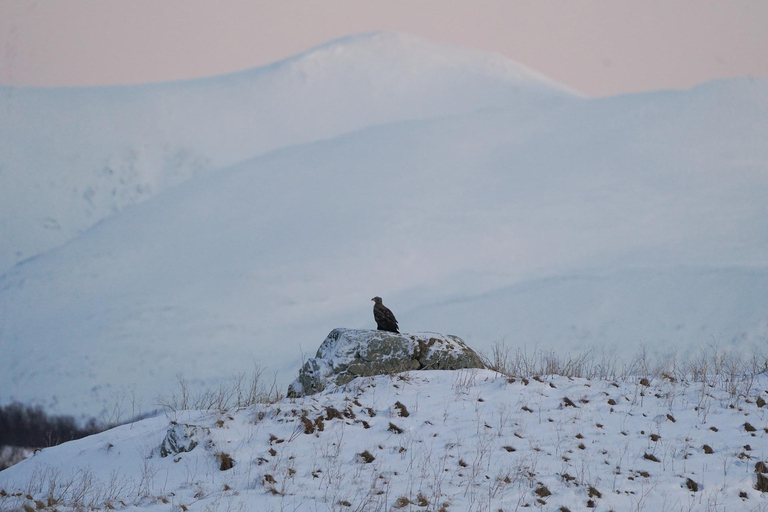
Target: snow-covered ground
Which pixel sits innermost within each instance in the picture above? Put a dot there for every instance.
(463, 440)
(476, 197)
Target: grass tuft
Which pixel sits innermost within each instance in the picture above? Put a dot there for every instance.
(762, 483)
(367, 457)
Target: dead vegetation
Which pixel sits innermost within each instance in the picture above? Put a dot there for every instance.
(239, 391)
(560, 442)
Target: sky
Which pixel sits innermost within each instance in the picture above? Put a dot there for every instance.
(598, 47)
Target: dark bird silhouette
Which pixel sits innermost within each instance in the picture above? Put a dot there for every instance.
(385, 320)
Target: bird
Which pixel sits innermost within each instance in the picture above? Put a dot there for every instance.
(385, 320)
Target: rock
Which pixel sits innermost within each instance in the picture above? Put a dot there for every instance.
(182, 438)
(349, 353)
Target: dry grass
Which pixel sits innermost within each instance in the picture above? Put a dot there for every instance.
(728, 370)
(239, 391)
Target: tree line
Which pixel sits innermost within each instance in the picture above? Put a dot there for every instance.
(31, 427)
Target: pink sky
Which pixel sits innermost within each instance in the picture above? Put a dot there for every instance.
(598, 47)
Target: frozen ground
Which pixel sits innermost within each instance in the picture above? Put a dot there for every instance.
(467, 440)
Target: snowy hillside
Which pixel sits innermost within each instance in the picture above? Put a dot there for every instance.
(463, 440)
(628, 221)
(70, 157)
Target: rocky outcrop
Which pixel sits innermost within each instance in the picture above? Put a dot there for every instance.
(182, 438)
(349, 353)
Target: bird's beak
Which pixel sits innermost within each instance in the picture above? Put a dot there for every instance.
(371, 299)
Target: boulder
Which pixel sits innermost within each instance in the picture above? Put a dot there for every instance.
(349, 353)
(182, 438)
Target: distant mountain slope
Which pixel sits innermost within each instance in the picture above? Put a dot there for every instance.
(70, 157)
(677, 311)
(262, 260)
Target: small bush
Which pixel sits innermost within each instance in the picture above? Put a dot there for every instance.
(651, 457)
(762, 483)
(402, 502)
(309, 427)
(367, 457)
(394, 428)
(331, 413)
(691, 485)
(708, 449)
(226, 461)
(402, 410)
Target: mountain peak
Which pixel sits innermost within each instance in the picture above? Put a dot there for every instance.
(389, 51)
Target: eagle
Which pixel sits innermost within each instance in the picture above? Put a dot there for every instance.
(385, 320)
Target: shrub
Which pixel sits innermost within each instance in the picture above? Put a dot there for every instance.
(762, 483)
(401, 410)
(367, 457)
(225, 460)
(402, 502)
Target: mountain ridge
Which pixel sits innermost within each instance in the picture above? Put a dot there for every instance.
(353, 42)
(69, 157)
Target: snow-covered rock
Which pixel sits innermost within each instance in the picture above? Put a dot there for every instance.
(182, 438)
(350, 353)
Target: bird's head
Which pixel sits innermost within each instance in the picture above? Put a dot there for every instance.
(377, 300)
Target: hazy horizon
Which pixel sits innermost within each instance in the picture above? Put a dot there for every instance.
(598, 48)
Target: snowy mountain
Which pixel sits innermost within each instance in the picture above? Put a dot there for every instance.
(465, 440)
(70, 157)
(556, 221)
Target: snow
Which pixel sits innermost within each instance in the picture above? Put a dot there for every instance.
(464, 439)
(70, 157)
(477, 197)
(616, 223)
